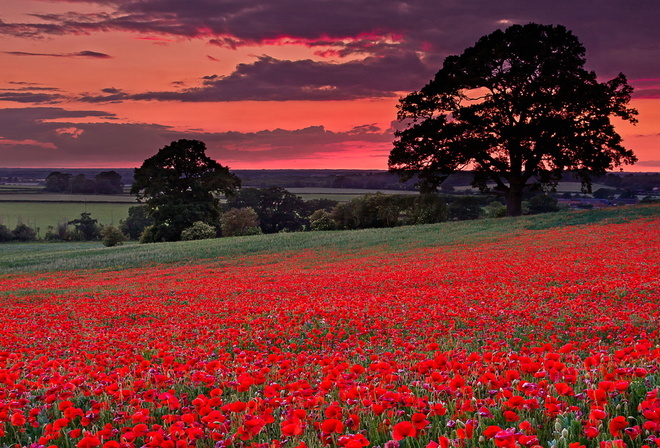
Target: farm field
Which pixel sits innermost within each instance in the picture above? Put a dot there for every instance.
(43, 214)
(339, 194)
(32, 206)
(541, 331)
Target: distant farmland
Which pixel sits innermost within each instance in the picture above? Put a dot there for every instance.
(40, 215)
(37, 209)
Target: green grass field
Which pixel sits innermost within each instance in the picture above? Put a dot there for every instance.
(17, 257)
(43, 214)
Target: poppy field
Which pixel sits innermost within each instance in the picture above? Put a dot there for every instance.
(540, 338)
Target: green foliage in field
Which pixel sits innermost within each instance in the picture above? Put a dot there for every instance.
(69, 256)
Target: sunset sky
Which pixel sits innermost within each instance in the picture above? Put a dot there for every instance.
(270, 83)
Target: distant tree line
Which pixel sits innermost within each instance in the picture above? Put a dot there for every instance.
(107, 182)
(84, 228)
(254, 211)
(358, 179)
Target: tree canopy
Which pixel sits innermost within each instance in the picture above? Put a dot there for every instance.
(518, 108)
(180, 185)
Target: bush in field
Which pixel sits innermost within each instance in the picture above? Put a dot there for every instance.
(369, 211)
(604, 193)
(381, 210)
(198, 231)
(427, 209)
(148, 235)
(62, 233)
(465, 208)
(495, 210)
(321, 220)
(5, 234)
(277, 209)
(87, 226)
(240, 222)
(542, 203)
(112, 236)
(51, 234)
(319, 204)
(138, 219)
(23, 232)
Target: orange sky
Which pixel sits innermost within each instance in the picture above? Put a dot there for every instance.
(105, 84)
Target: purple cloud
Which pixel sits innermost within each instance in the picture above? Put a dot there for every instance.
(618, 37)
(270, 79)
(79, 54)
(30, 97)
(68, 143)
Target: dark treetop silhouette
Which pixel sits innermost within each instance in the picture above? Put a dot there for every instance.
(180, 185)
(518, 107)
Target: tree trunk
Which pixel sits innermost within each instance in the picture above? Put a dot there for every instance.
(514, 200)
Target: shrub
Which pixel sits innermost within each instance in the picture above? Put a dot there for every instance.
(63, 233)
(5, 234)
(87, 226)
(148, 235)
(321, 220)
(542, 203)
(198, 231)
(112, 236)
(465, 208)
(138, 219)
(24, 233)
(427, 208)
(51, 234)
(495, 210)
(240, 222)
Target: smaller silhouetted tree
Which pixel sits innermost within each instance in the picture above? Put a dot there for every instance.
(109, 182)
(181, 185)
(57, 182)
(80, 184)
(86, 226)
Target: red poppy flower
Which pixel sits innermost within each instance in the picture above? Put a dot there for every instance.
(332, 425)
(89, 441)
(402, 430)
(617, 424)
(419, 420)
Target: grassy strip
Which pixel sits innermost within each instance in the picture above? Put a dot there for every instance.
(35, 257)
(43, 214)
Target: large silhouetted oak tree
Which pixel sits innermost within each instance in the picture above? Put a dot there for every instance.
(518, 108)
(180, 185)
